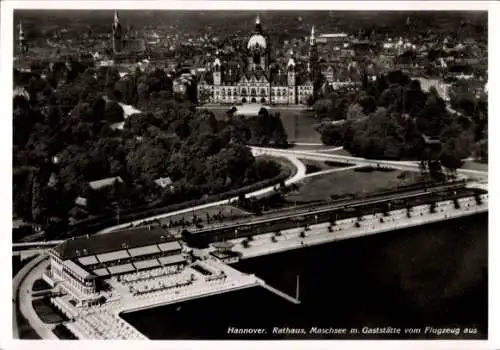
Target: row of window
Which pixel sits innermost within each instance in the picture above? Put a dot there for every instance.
(253, 94)
(247, 98)
(76, 285)
(72, 274)
(212, 87)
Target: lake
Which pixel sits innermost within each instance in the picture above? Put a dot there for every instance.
(429, 276)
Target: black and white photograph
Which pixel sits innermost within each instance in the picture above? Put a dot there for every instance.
(249, 174)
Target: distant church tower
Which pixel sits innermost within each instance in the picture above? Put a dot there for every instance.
(312, 65)
(117, 34)
(23, 48)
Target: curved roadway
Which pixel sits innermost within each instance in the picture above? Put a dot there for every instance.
(318, 155)
(22, 285)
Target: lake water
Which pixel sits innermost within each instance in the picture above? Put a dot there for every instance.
(429, 276)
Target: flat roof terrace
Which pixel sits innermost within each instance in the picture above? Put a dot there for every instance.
(102, 245)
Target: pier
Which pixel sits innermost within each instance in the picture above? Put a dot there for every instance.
(278, 292)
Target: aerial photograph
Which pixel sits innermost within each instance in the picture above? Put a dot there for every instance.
(249, 175)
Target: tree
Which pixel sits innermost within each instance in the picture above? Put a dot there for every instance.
(332, 134)
(451, 161)
(22, 191)
(422, 168)
(435, 170)
(113, 112)
(126, 90)
(310, 101)
(245, 243)
(204, 95)
(40, 202)
(478, 198)
(432, 207)
(355, 112)
(481, 151)
(323, 108)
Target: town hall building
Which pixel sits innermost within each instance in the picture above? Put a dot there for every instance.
(255, 81)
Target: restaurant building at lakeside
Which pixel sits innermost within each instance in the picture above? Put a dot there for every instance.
(81, 266)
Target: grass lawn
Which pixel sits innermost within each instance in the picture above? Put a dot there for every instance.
(311, 147)
(298, 124)
(40, 285)
(47, 311)
(341, 152)
(313, 166)
(475, 166)
(349, 182)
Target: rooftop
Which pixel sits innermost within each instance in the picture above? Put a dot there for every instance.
(164, 181)
(98, 184)
(110, 242)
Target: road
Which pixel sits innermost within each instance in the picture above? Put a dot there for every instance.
(22, 285)
(44, 330)
(318, 155)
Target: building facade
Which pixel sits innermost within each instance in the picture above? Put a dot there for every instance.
(80, 266)
(258, 81)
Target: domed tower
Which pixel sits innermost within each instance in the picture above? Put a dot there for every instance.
(117, 34)
(258, 50)
(217, 70)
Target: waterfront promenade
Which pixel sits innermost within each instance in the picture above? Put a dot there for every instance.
(271, 243)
